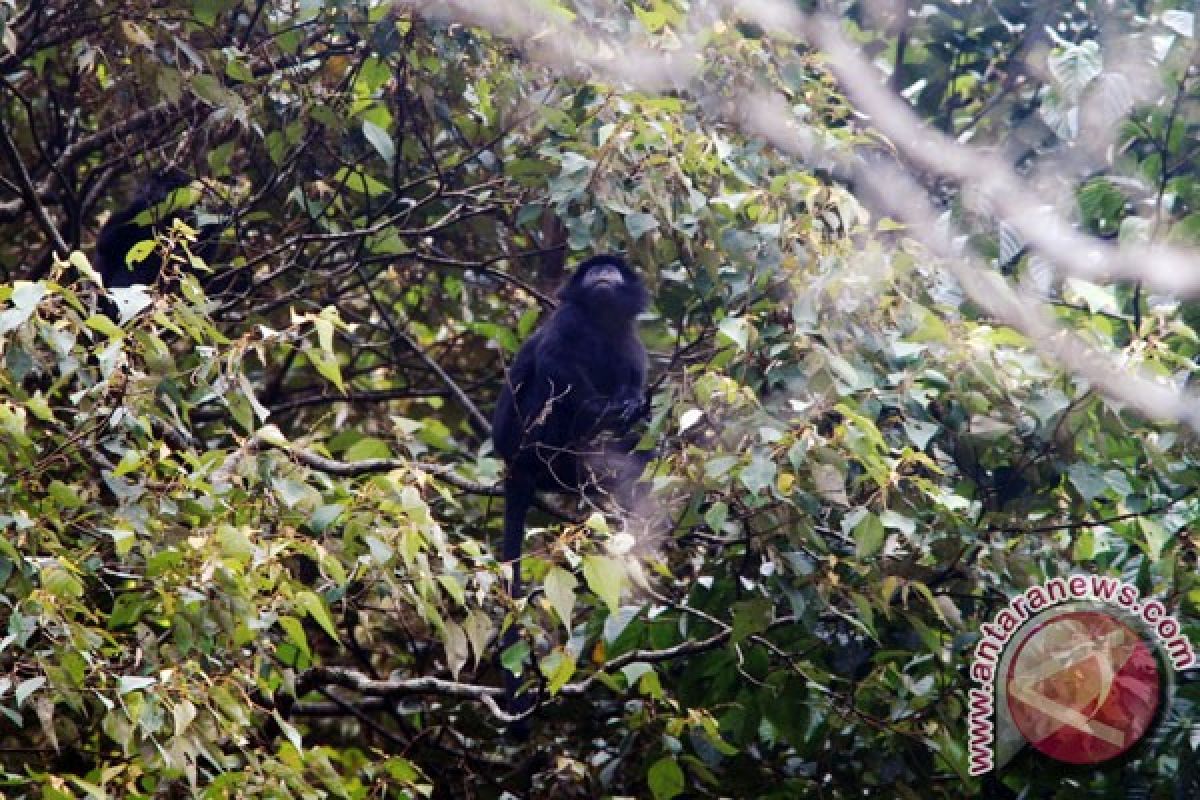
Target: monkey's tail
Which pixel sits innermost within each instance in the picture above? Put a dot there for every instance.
(518, 496)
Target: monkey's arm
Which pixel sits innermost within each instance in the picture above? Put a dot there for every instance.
(630, 400)
(563, 384)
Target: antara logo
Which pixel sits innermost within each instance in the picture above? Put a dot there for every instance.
(1065, 670)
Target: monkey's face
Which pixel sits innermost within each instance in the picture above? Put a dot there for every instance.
(603, 276)
(606, 284)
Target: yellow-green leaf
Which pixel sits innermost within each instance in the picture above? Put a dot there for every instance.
(560, 588)
(605, 576)
(315, 607)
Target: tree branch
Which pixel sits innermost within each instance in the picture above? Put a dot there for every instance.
(30, 193)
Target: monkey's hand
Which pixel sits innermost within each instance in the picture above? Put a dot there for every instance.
(626, 411)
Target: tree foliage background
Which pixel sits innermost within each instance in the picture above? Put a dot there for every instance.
(248, 539)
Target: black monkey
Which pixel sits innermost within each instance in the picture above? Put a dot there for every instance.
(563, 420)
(583, 373)
(133, 224)
(153, 207)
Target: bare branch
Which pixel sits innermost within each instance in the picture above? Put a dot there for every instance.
(369, 466)
(29, 191)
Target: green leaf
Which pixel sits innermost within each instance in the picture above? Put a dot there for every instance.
(759, 474)
(260, 411)
(557, 667)
(131, 460)
(719, 467)
(500, 334)
(359, 181)
(327, 365)
(716, 516)
(951, 747)
(1186, 231)
(235, 544)
(750, 617)
(272, 435)
(130, 301)
(293, 493)
(665, 779)
(1088, 480)
(27, 687)
(653, 21)
(366, 448)
(134, 683)
(294, 629)
(528, 170)
(899, 522)
(736, 330)
(127, 610)
(560, 588)
(209, 89)
(289, 730)
(374, 73)
(1097, 298)
(61, 582)
(324, 516)
(311, 603)
(454, 588)
(206, 11)
(921, 433)
(380, 139)
(868, 536)
(25, 298)
(1074, 67)
(183, 713)
(605, 576)
(1102, 205)
(1085, 546)
(238, 71)
(454, 639)
(639, 224)
(478, 627)
(1154, 537)
(513, 658)
(64, 495)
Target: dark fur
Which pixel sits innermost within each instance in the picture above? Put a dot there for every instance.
(148, 213)
(123, 230)
(564, 417)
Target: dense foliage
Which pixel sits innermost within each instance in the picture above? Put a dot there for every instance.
(248, 538)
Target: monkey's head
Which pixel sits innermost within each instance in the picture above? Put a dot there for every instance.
(606, 284)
